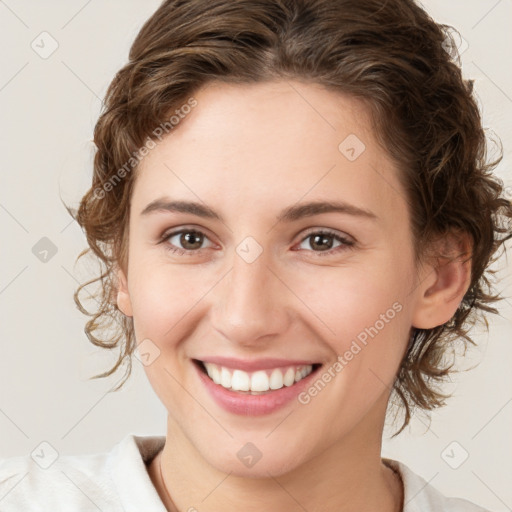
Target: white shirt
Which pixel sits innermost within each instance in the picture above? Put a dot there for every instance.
(118, 481)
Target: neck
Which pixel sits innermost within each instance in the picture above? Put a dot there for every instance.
(347, 476)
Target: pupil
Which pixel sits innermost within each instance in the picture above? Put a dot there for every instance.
(322, 239)
(188, 239)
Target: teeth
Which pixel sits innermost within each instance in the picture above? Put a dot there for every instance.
(259, 381)
(215, 374)
(289, 377)
(225, 378)
(276, 379)
(240, 381)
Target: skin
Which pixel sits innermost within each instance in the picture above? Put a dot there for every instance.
(248, 152)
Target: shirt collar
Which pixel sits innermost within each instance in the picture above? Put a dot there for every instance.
(137, 492)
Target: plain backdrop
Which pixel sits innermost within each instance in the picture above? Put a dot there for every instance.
(48, 110)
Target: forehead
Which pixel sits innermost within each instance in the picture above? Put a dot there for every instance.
(256, 145)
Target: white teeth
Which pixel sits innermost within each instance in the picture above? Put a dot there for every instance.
(225, 378)
(209, 369)
(213, 372)
(240, 381)
(259, 381)
(289, 377)
(276, 379)
(216, 375)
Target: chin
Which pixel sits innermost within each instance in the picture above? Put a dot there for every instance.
(247, 461)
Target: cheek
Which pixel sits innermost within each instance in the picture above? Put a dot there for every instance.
(345, 303)
(169, 300)
(365, 319)
(166, 309)
(161, 298)
(363, 313)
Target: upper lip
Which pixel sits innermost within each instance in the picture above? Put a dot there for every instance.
(249, 365)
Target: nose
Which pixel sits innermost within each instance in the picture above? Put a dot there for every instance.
(252, 305)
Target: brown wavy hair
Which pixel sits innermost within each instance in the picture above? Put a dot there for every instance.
(389, 54)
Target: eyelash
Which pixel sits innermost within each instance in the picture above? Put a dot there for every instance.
(346, 242)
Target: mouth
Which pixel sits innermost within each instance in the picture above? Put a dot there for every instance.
(260, 382)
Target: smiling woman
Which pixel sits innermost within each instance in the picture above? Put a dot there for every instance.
(308, 242)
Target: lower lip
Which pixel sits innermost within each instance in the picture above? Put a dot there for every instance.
(253, 405)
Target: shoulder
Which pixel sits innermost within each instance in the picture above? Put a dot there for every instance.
(104, 481)
(420, 496)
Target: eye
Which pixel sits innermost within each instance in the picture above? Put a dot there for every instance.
(190, 241)
(322, 241)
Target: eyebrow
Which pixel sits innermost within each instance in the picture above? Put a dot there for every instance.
(290, 214)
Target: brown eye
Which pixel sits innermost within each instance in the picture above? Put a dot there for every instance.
(185, 241)
(322, 242)
(191, 240)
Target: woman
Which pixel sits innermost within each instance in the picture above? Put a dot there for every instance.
(296, 218)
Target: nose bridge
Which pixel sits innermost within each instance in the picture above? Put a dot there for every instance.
(248, 305)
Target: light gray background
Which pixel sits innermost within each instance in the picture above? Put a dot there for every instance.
(48, 108)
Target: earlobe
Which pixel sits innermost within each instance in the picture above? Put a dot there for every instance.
(443, 288)
(124, 303)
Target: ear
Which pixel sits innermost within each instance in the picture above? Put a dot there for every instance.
(444, 281)
(123, 295)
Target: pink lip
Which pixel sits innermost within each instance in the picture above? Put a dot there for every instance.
(251, 365)
(253, 405)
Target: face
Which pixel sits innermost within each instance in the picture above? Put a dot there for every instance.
(255, 283)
